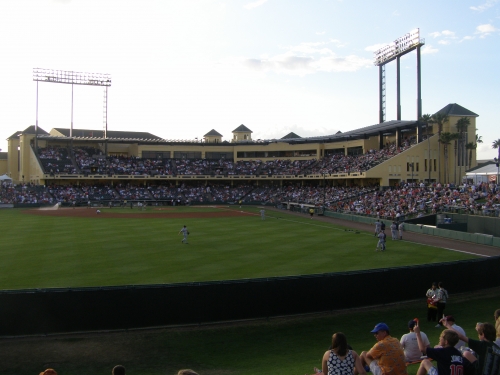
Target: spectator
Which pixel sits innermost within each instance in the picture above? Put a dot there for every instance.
(410, 344)
(496, 316)
(49, 371)
(441, 299)
(341, 360)
(457, 328)
(448, 358)
(386, 357)
(431, 303)
(484, 348)
(187, 372)
(118, 370)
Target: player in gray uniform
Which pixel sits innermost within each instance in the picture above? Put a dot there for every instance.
(401, 227)
(394, 231)
(381, 241)
(185, 233)
(378, 225)
(263, 214)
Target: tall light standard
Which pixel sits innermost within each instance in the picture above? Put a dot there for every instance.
(73, 78)
(497, 161)
(324, 192)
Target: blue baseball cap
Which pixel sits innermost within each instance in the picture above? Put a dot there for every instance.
(380, 327)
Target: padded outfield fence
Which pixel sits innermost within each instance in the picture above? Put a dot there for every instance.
(51, 311)
(480, 229)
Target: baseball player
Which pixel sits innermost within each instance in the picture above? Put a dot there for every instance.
(185, 233)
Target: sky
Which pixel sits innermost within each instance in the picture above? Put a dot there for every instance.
(182, 68)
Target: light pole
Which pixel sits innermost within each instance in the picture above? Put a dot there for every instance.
(429, 149)
(497, 161)
(411, 165)
(324, 192)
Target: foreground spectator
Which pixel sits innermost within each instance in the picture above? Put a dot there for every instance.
(410, 345)
(448, 358)
(485, 347)
(386, 357)
(118, 370)
(187, 372)
(457, 328)
(340, 359)
(496, 316)
(49, 371)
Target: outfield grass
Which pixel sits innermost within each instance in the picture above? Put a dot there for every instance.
(46, 252)
(275, 347)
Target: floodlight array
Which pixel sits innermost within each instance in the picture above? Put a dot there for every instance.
(70, 77)
(399, 47)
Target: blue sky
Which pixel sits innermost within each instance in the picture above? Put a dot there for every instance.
(182, 68)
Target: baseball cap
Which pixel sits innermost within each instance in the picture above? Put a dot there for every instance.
(411, 324)
(380, 327)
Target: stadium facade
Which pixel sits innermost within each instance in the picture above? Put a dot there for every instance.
(423, 159)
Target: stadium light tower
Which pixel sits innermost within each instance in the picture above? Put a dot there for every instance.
(72, 78)
(394, 51)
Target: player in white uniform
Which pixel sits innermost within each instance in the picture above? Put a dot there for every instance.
(394, 231)
(263, 214)
(185, 233)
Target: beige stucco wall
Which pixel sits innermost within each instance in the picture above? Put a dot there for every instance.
(24, 163)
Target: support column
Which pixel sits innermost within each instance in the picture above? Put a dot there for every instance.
(419, 85)
(398, 88)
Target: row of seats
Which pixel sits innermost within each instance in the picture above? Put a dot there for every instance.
(89, 160)
(405, 200)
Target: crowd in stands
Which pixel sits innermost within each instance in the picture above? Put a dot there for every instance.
(407, 199)
(340, 163)
(56, 161)
(88, 160)
(412, 199)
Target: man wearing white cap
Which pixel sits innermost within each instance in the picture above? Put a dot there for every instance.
(386, 357)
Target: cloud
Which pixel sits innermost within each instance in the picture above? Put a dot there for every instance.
(254, 4)
(428, 49)
(308, 58)
(483, 7)
(448, 33)
(467, 38)
(485, 30)
(320, 32)
(445, 37)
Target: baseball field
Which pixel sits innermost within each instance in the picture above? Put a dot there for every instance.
(122, 246)
(80, 247)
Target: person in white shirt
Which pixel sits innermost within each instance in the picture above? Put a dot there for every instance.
(410, 344)
(459, 329)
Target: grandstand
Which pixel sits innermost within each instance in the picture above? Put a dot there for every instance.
(385, 154)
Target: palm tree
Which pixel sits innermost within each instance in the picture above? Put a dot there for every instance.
(427, 120)
(472, 146)
(439, 118)
(496, 144)
(462, 125)
(445, 139)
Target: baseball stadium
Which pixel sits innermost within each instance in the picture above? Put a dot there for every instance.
(280, 241)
